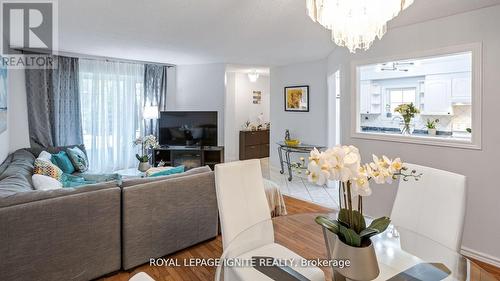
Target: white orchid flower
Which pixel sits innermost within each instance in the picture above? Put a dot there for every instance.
(361, 184)
(396, 166)
(315, 155)
(317, 174)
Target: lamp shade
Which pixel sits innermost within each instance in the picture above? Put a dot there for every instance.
(150, 112)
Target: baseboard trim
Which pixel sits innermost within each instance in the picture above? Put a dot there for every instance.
(486, 258)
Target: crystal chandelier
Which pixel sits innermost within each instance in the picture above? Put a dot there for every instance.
(355, 23)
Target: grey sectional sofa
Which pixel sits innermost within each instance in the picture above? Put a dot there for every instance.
(86, 232)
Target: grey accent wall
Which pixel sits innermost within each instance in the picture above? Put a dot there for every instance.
(309, 127)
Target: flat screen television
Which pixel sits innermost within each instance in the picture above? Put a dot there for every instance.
(188, 128)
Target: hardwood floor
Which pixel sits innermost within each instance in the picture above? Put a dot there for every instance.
(213, 249)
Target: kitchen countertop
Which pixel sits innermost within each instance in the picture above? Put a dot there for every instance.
(418, 133)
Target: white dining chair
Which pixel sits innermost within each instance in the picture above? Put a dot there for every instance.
(433, 206)
(242, 204)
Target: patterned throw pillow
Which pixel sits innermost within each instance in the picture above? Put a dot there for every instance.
(78, 158)
(46, 168)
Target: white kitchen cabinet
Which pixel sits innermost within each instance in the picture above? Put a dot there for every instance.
(370, 98)
(364, 106)
(438, 95)
(375, 99)
(461, 88)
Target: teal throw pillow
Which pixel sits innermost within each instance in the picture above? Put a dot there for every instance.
(174, 170)
(78, 158)
(62, 161)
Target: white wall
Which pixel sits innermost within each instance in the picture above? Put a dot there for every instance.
(246, 110)
(16, 135)
(239, 108)
(4, 145)
(199, 88)
(18, 111)
(308, 127)
(231, 138)
(482, 227)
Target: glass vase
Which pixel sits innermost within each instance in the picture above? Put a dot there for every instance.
(407, 129)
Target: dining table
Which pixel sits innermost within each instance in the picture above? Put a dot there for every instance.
(402, 254)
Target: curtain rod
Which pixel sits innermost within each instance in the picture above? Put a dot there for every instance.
(92, 57)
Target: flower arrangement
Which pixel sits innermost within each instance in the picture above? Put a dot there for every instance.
(431, 124)
(299, 166)
(407, 111)
(343, 163)
(146, 143)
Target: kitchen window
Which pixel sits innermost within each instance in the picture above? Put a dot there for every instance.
(432, 98)
(397, 96)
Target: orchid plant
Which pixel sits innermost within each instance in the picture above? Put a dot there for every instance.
(147, 143)
(343, 164)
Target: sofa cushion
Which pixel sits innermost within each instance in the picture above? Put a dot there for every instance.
(41, 182)
(44, 155)
(62, 161)
(21, 162)
(5, 164)
(16, 172)
(46, 168)
(136, 181)
(78, 158)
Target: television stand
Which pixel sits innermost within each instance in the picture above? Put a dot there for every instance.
(189, 156)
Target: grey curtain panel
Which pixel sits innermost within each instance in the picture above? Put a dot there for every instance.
(54, 104)
(155, 93)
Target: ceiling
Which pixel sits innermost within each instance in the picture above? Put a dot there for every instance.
(248, 32)
(262, 70)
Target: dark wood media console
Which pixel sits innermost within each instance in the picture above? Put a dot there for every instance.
(189, 156)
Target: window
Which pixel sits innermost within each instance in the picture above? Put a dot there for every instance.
(399, 96)
(440, 89)
(111, 96)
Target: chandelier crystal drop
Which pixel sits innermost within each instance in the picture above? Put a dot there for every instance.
(355, 24)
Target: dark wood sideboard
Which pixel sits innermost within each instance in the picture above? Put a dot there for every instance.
(254, 144)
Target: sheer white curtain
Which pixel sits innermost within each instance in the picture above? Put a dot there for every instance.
(111, 95)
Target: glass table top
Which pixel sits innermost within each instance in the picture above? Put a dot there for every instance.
(399, 251)
(300, 145)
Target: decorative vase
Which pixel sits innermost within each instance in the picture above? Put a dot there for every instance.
(363, 260)
(143, 166)
(431, 132)
(407, 129)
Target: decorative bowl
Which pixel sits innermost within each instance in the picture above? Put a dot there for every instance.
(292, 142)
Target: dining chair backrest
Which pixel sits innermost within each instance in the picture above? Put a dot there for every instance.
(242, 200)
(433, 206)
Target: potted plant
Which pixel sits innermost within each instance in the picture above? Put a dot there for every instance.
(431, 126)
(348, 235)
(408, 112)
(147, 143)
